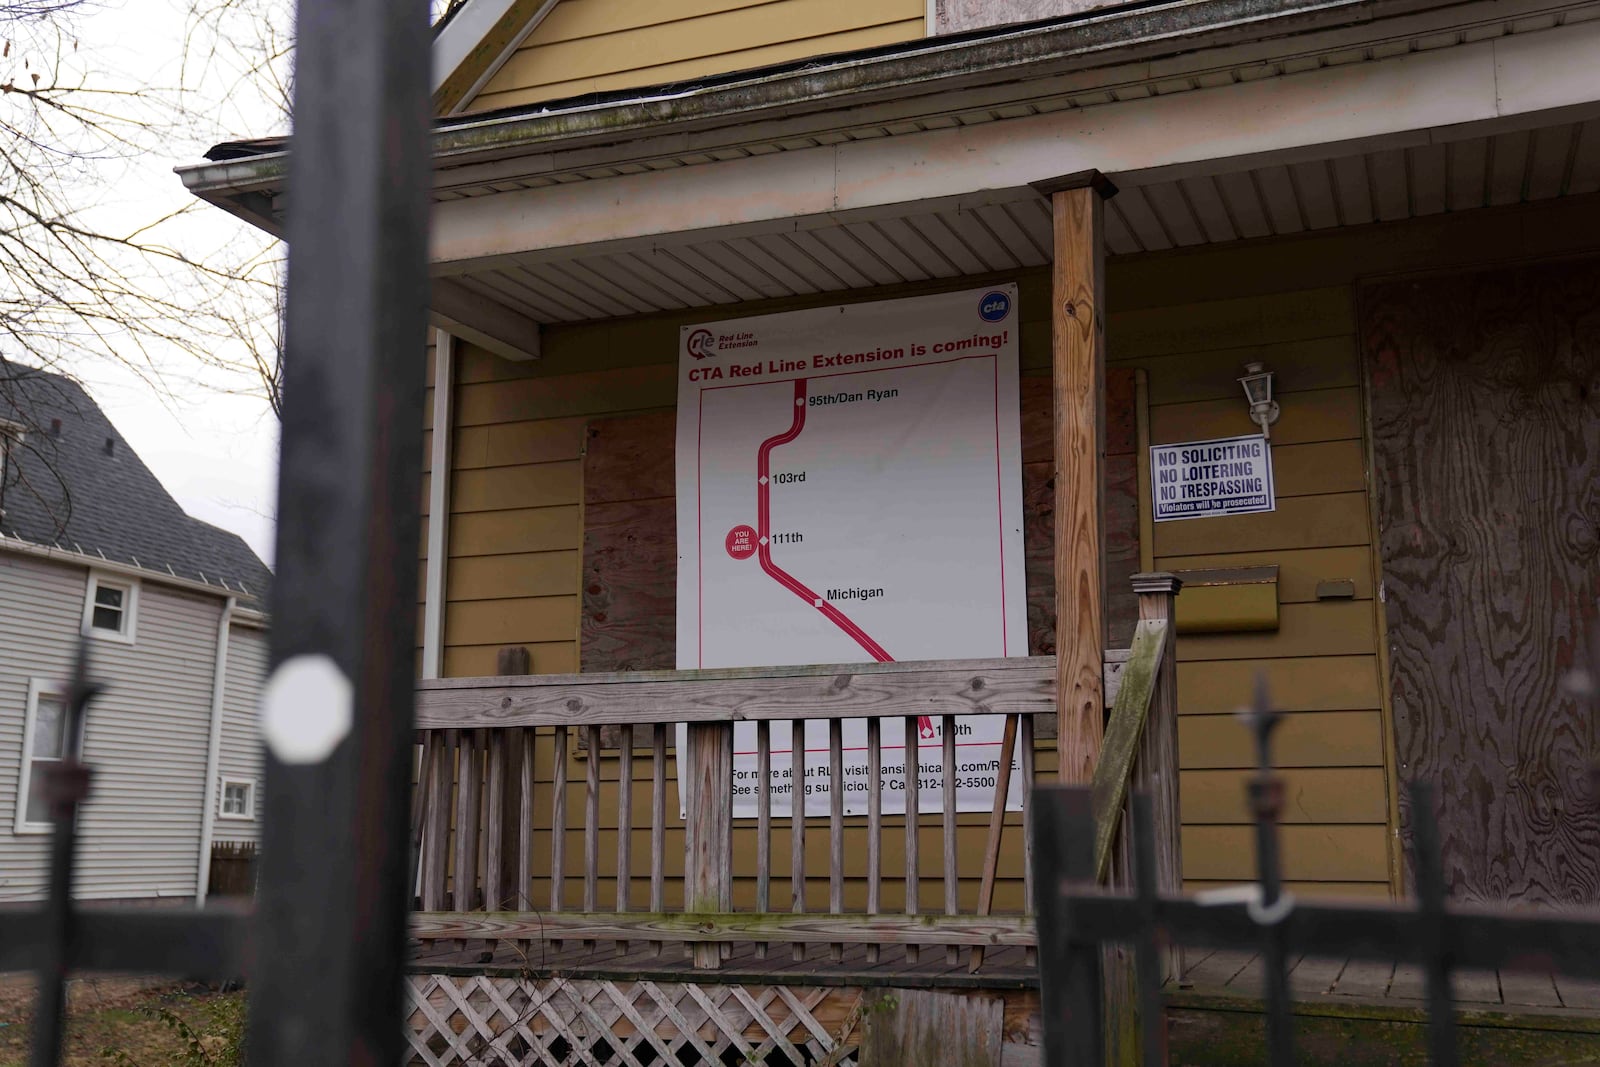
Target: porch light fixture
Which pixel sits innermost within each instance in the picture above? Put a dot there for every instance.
(1257, 382)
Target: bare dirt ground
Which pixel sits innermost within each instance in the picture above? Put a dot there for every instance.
(105, 1013)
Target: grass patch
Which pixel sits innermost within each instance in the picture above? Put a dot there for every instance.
(129, 1022)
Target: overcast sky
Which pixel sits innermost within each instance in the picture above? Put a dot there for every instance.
(213, 449)
(213, 446)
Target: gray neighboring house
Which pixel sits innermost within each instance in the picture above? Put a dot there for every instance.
(91, 543)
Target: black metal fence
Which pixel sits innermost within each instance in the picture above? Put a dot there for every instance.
(324, 945)
(1077, 918)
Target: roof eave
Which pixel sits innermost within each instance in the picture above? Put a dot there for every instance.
(937, 65)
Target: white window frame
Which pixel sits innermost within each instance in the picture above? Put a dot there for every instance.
(249, 799)
(130, 607)
(37, 687)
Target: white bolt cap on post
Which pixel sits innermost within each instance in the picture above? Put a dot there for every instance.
(307, 708)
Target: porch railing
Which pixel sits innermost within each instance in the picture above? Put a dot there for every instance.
(496, 819)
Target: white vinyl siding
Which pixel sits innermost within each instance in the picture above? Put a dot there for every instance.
(239, 758)
(145, 735)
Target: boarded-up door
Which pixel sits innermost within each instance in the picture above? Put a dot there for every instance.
(1485, 401)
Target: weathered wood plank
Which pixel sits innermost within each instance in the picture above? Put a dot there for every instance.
(836, 826)
(947, 729)
(435, 864)
(961, 687)
(763, 824)
(913, 781)
(997, 815)
(1123, 734)
(708, 880)
(965, 1029)
(591, 821)
(797, 824)
(964, 687)
(465, 874)
(728, 927)
(525, 741)
(1078, 368)
(558, 822)
(874, 823)
(624, 821)
(1486, 452)
(1026, 740)
(494, 885)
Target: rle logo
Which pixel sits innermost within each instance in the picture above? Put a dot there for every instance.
(702, 343)
(994, 307)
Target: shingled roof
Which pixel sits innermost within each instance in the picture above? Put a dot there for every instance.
(71, 481)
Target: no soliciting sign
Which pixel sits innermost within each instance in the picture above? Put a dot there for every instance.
(1206, 479)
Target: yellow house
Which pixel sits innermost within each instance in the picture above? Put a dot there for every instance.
(1389, 208)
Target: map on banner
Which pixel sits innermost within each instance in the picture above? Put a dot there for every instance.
(849, 487)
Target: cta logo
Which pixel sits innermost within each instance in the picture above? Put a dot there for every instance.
(994, 307)
(702, 343)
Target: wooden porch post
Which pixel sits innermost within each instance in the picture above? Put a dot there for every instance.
(1156, 768)
(708, 872)
(1078, 363)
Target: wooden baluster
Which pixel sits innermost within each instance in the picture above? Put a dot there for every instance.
(874, 822)
(997, 817)
(436, 854)
(1030, 954)
(523, 738)
(465, 875)
(658, 821)
(836, 828)
(708, 882)
(913, 774)
(494, 828)
(952, 904)
(1156, 766)
(558, 827)
(426, 752)
(591, 827)
(797, 820)
(624, 821)
(763, 825)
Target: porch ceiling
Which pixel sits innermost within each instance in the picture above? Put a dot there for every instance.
(1010, 229)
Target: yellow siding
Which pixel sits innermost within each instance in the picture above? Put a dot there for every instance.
(1322, 661)
(587, 46)
(1191, 320)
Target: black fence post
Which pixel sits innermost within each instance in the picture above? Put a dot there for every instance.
(1433, 924)
(1070, 996)
(330, 933)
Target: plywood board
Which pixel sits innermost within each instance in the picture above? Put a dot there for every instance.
(1486, 442)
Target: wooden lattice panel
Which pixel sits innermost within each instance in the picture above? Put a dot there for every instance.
(564, 1022)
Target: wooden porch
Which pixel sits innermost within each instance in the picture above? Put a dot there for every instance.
(566, 910)
(485, 1005)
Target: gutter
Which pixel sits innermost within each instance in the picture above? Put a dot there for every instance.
(126, 570)
(208, 813)
(922, 68)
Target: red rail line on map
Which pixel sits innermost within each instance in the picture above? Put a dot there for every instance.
(764, 533)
